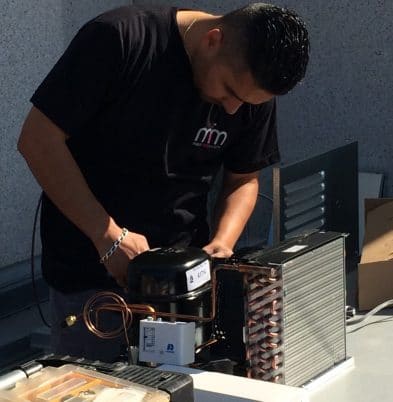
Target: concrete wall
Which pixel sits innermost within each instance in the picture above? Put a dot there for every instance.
(348, 93)
(33, 34)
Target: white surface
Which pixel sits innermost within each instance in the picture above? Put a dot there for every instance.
(325, 379)
(214, 387)
(371, 380)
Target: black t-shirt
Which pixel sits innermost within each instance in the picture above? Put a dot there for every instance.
(146, 143)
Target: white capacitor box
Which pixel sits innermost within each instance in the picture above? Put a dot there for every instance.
(166, 342)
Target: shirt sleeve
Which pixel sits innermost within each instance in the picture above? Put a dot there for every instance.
(80, 82)
(257, 145)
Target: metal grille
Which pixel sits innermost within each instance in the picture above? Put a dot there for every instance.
(152, 378)
(304, 204)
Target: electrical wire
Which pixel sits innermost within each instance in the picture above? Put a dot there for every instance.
(265, 196)
(366, 317)
(35, 293)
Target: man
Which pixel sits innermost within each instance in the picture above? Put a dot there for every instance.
(129, 128)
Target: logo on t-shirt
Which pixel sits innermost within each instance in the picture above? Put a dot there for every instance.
(210, 138)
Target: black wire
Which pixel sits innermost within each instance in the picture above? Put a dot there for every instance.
(265, 196)
(32, 264)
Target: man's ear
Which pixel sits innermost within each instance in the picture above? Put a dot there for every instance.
(214, 38)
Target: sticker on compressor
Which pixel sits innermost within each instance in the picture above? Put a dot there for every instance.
(198, 275)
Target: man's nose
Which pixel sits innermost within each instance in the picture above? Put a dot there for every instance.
(231, 105)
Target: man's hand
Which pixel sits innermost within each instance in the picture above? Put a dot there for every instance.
(217, 249)
(117, 264)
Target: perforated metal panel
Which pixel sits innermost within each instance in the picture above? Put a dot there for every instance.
(304, 204)
(318, 193)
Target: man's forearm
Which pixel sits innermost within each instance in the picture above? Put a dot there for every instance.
(235, 205)
(43, 146)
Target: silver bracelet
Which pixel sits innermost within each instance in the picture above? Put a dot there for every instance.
(115, 245)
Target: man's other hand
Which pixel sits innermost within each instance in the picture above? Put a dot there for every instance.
(217, 249)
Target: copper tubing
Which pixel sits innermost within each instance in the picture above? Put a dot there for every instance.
(276, 361)
(266, 310)
(277, 379)
(121, 305)
(256, 294)
(92, 326)
(263, 346)
(127, 310)
(205, 345)
(142, 309)
(267, 340)
(273, 323)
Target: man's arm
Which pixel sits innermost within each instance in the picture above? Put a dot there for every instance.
(236, 202)
(43, 145)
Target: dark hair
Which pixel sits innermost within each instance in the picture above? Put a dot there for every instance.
(273, 42)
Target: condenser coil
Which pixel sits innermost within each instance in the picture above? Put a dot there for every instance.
(292, 322)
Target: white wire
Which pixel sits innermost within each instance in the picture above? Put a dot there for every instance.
(367, 316)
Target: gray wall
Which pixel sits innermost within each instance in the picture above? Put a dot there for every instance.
(347, 95)
(33, 34)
